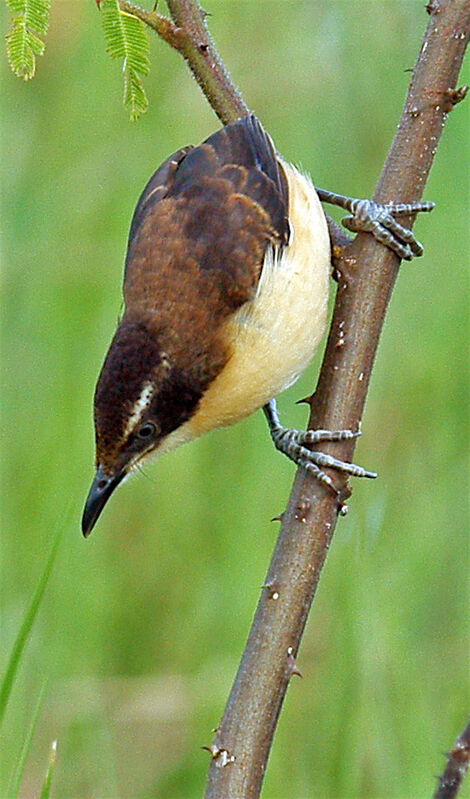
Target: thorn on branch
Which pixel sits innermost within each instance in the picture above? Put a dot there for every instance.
(343, 509)
(307, 400)
(336, 274)
(433, 7)
(458, 760)
(343, 268)
(454, 96)
(445, 101)
(221, 757)
(278, 518)
(292, 664)
(341, 261)
(273, 589)
(302, 510)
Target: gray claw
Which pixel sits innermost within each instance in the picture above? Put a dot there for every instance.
(292, 443)
(380, 220)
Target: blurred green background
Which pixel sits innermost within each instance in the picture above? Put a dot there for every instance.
(142, 626)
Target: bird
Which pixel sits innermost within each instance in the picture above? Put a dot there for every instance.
(226, 286)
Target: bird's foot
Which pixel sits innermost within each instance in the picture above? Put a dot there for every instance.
(380, 220)
(293, 443)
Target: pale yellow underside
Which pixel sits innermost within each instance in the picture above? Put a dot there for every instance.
(275, 335)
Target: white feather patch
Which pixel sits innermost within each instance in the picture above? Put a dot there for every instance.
(139, 407)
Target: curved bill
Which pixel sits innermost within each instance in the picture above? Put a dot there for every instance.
(101, 489)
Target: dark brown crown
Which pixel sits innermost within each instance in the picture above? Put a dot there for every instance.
(141, 355)
(132, 358)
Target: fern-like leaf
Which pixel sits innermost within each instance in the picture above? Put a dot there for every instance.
(23, 42)
(134, 94)
(126, 38)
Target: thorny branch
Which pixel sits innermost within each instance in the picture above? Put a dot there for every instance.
(456, 767)
(367, 275)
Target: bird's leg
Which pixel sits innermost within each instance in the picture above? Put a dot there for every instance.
(293, 444)
(380, 220)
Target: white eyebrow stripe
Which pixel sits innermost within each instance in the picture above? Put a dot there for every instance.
(139, 407)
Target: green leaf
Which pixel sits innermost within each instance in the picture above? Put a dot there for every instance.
(25, 629)
(14, 785)
(46, 786)
(126, 38)
(35, 12)
(23, 42)
(134, 95)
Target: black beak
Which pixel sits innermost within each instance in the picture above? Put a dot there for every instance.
(101, 489)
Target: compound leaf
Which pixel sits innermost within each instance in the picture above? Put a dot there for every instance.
(126, 38)
(23, 42)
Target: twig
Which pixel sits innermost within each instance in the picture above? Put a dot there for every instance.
(457, 764)
(187, 33)
(368, 271)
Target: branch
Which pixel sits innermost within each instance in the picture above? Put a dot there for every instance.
(187, 33)
(368, 276)
(457, 765)
(368, 272)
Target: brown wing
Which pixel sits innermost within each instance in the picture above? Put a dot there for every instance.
(155, 189)
(202, 225)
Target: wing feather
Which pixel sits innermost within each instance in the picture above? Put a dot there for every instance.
(203, 223)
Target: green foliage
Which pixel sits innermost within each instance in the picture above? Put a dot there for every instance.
(126, 38)
(124, 34)
(23, 42)
(14, 785)
(25, 629)
(46, 786)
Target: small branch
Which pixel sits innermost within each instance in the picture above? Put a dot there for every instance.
(165, 28)
(187, 33)
(457, 764)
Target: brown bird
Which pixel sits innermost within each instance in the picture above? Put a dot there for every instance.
(225, 292)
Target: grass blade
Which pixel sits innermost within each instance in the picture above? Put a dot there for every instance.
(25, 629)
(46, 786)
(14, 784)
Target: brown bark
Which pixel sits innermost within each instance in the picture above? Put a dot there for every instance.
(457, 764)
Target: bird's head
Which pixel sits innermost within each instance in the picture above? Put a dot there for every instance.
(140, 398)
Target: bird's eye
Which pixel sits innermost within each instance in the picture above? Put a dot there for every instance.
(147, 430)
